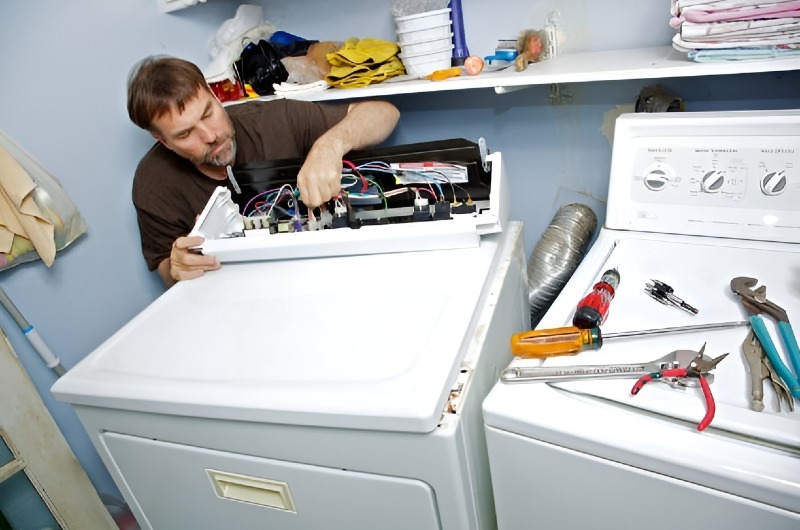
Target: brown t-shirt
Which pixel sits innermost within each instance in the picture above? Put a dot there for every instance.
(169, 192)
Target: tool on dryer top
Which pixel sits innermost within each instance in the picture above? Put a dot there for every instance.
(570, 340)
(592, 310)
(699, 369)
(665, 294)
(548, 374)
(761, 369)
(755, 302)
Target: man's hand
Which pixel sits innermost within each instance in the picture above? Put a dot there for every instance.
(320, 177)
(186, 264)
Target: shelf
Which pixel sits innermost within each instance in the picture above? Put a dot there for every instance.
(642, 63)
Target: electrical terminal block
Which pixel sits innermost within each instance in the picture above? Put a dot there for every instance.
(441, 211)
(340, 216)
(325, 219)
(464, 207)
(422, 210)
(321, 222)
(339, 222)
(314, 225)
(285, 227)
(340, 219)
(255, 222)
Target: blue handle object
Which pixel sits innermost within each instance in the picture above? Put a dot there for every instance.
(791, 345)
(502, 54)
(460, 51)
(772, 354)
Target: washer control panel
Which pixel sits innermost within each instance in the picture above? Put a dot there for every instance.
(720, 174)
(697, 171)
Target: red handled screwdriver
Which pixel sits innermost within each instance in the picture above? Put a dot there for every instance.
(593, 308)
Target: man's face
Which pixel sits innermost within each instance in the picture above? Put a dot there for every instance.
(202, 133)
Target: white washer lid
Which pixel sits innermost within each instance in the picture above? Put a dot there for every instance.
(368, 342)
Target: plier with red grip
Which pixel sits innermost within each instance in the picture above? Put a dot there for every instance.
(698, 368)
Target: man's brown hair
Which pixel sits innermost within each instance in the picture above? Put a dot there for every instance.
(159, 83)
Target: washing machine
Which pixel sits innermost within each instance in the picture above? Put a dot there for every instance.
(695, 200)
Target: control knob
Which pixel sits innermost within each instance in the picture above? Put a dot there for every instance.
(712, 181)
(773, 183)
(656, 180)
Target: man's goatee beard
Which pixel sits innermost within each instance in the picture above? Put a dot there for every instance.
(217, 162)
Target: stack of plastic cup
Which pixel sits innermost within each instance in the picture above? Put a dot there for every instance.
(426, 41)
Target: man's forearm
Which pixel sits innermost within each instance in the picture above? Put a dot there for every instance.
(367, 123)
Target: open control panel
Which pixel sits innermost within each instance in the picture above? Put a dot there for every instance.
(431, 196)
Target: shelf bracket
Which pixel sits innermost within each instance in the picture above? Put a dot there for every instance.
(559, 94)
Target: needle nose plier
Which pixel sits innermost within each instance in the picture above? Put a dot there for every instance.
(698, 369)
(755, 302)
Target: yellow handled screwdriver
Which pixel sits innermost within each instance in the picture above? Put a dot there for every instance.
(571, 340)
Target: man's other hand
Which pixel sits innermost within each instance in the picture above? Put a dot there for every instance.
(185, 263)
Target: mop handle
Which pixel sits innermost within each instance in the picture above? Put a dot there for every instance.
(50, 359)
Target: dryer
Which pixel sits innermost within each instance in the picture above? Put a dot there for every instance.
(335, 387)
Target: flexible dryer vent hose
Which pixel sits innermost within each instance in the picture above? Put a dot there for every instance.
(557, 254)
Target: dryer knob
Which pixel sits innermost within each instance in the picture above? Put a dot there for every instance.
(712, 181)
(656, 180)
(773, 183)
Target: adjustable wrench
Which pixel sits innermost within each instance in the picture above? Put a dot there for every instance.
(545, 374)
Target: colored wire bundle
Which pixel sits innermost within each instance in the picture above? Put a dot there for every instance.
(362, 186)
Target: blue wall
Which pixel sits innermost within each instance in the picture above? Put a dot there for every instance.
(64, 66)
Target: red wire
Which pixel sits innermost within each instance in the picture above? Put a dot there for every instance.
(364, 183)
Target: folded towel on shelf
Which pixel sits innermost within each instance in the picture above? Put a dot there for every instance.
(711, 12)
(709, 31)
(683, 45)
(736, 29)
(289, 90)
(743, 54)
(722, 5)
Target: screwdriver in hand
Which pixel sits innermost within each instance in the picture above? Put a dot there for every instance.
(572, 340)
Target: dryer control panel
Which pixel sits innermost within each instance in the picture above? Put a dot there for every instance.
(732, 174)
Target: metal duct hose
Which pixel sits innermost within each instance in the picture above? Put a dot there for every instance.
(557, 254)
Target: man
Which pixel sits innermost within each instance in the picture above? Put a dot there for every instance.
(197, 139)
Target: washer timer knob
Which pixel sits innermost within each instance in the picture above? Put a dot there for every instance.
(773, 183)
(656, 180)
(712, 181)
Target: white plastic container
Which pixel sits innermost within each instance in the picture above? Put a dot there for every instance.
(422, 64)
(426, 46)
(428, 19)
(420, 35)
